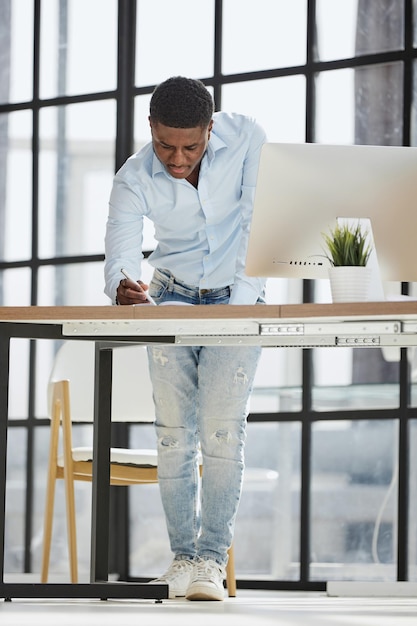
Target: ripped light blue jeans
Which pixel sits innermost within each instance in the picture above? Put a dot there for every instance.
(201, 397)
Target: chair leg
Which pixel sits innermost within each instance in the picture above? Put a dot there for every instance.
(50, 491)
(69, 482)
(230, 573)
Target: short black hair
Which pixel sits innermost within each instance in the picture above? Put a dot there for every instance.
(181, 102)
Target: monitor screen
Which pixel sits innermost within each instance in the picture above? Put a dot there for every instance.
(303, 189)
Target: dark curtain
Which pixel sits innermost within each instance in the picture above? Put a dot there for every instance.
(378, 121)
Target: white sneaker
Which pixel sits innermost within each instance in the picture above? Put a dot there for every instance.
(207, 581)
(177, 577)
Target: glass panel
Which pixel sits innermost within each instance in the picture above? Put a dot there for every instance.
(353, 500)
(76, 174)
(278, 374)
(45, 352)
(267, 524)
(278, 104)
(263, 35)
(412, 535)
(149, 544)
(11, 296)
(336, 29)
(19, 379)
(76, 285)
(362, 106)
(355, 397)
(379, 105)
(15, 186)
(40, 466)
(15, 501)
(182, 43)
(16, 50)
(71, 40)
(335, 106)
(356, 27)
(354, 380)
(142, 129)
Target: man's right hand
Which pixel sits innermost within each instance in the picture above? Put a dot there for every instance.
(131, 292)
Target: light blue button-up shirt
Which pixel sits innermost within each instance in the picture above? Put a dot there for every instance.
(202, 232)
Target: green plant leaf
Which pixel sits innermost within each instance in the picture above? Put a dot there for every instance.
(347, 245)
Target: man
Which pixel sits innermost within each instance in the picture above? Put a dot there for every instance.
(195, 181)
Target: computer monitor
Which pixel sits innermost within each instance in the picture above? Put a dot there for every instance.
(302, 189)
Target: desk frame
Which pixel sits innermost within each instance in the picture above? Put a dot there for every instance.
(306, 326)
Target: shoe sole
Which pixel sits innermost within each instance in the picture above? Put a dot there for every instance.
(202, 593)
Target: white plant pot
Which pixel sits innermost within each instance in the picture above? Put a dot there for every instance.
(350, 283)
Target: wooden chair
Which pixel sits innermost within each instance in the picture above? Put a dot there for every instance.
(70, 399)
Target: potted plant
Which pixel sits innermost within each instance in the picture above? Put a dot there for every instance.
(348, 250)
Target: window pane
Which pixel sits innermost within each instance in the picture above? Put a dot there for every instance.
(40, 477)
(76, 173)
(149, 544)
(45, 352)
(357, 27)
(18, 378)
(277, 385)
(77, 284)
(336, 28)
(142, 129)
(335, 118)
(174, 38)
(15, 186)
(16, 50)
(353, 500)
(349, 379)
(267, 525)
(355, 397)
(263, 35)
(362, 106)
(277, 103)
(15, 501)
(78, 47)
(379, 105)
(9, 279)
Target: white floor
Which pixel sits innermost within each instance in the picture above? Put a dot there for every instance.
(249, 608)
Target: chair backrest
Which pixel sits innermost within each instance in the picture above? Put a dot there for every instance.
(132, 399)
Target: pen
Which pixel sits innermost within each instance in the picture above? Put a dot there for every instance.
(148, 297)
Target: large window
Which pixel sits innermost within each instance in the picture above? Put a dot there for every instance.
(330, 489)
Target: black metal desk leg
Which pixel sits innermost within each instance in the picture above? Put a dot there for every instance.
(4, 413)
(101, 465)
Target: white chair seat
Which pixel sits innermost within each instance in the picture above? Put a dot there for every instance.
(139, 457)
